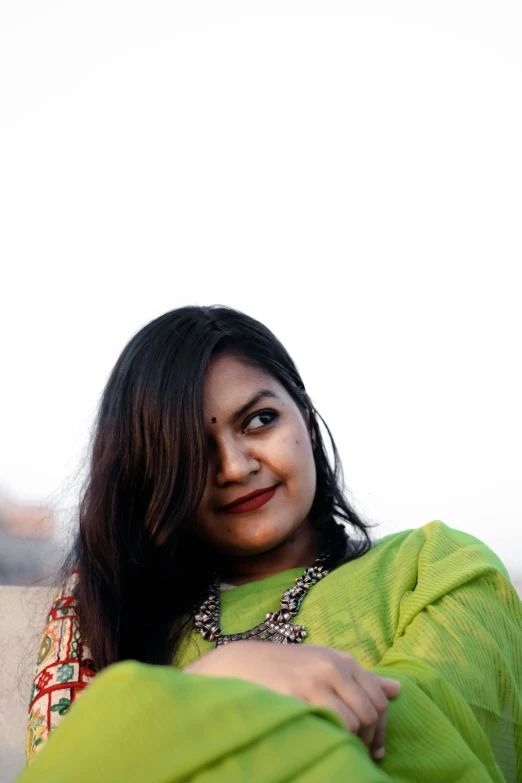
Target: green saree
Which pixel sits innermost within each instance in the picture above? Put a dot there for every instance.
(433, 608)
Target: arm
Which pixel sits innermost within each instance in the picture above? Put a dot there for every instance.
(158, 723)
(140, 722)
(458, 655)
(63, 669)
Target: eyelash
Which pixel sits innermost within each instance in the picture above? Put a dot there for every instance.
(264, 412)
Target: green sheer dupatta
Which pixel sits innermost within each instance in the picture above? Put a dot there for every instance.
(433, 608)
(156, 724)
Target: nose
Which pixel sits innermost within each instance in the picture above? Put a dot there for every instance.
(235, 462)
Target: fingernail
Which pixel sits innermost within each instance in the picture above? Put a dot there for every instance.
(378, 754)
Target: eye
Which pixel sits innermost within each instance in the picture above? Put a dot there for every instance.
(269, 416)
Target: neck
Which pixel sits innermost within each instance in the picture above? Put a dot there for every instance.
(299, 551)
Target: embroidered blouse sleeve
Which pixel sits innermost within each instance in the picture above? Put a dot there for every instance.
(63, 668)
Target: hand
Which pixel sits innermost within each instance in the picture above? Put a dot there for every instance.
(312, 673)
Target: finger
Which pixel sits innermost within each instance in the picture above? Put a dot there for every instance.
(373, 689)
(347, 662)
(373, 686)
(390, 687)
(369, 701)
(356, 698)
(330, 699)
(378, 744)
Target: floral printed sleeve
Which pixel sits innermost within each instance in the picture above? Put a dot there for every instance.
(64, 668)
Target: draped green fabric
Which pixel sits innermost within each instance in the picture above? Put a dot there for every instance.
(432, 607)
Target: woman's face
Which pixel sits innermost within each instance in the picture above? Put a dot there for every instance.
(268, 445)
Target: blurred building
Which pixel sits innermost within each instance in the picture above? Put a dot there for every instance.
(29, 551)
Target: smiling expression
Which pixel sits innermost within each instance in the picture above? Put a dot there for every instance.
(265, 445)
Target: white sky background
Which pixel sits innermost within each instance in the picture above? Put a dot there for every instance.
(348, 173)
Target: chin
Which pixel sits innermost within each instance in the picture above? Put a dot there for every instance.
(247, 547)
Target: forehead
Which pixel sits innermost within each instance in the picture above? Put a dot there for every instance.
(230, 380)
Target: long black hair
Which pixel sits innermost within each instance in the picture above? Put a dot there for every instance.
(140, 569)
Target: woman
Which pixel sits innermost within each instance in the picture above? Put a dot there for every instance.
(266, 640)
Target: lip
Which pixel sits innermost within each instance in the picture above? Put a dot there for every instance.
(250, 502)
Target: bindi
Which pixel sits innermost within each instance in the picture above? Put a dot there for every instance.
(213, 419)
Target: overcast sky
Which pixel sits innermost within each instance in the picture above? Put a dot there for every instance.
(348, 173)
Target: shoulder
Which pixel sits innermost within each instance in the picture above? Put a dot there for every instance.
(435, 563)
(63, 667)
(65, 602)
(436, 545)
(427, 562)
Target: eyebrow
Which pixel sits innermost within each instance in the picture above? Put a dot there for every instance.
(260, 395)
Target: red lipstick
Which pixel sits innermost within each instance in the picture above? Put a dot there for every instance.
(250, 502)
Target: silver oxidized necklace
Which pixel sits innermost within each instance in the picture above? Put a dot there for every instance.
(277, 626)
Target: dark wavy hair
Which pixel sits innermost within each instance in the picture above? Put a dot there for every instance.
(141, 570)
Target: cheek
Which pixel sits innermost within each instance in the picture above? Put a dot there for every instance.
(296, 449)
(295, 462)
